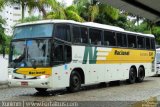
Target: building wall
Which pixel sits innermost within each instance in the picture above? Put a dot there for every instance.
(11, 14)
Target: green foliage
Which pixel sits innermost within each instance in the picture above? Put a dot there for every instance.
(6, 44)
(2, 35)
(93, 12)
(156, 32)
(30, 19)
(87, 10)
(2, 2)
(4, 40)
(83, 10)
(71, 15)
(60, 12)
(109, 11)
(40, 5)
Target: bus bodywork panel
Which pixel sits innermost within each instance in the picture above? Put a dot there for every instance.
(98, 64)
(109, 64)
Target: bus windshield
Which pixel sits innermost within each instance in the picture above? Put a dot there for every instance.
(32, 31)
(26, 53)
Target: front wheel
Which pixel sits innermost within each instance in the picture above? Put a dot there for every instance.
(75, 82)
(132, 76)
(41, 90)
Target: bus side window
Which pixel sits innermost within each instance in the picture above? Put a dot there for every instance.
(109, 38)
(84, 34)
(121, 40)
(132, 41)
(152, 44)
(76, 35)
(124, 39)
(95, 36)
(140, 41)
(58, 55)
(63, 32)
(148, 45)
(67, 53)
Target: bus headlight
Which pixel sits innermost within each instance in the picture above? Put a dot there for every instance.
(43, 77)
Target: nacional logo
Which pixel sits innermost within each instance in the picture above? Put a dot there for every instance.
(36, 72)
(121, 52)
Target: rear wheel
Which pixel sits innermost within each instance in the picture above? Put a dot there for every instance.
(75, 82)
(141, 74)
(41, 90)
(132, 76)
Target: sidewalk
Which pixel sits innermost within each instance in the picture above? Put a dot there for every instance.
(3, 72)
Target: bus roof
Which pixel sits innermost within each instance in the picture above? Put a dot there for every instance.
(89, 24)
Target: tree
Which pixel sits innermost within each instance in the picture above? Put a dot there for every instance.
(156, 32)
(61, 12)
(86, 9)
(2, 2)
(72, 14)
(30, 19)
(40, 5)
(58, 11)
(95, 11)
(2, 35)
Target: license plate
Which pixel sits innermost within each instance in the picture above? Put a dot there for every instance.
(24, 83)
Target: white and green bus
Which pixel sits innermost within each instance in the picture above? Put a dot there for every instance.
(55, 54)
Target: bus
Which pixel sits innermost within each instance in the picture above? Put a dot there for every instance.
(54, 54)
(158, 61)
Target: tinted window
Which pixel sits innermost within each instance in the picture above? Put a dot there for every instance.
(148, 43)
(67, 53)
(140, 41)
(77, 35)
(152, 43)
(132, 41)
(63, 32)
(80, 34)
(32, 31)
(84, 34)
(121, 40)
(58, 55)
(95, 36)
(109, 38)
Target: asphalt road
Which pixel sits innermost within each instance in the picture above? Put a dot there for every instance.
(149, 89)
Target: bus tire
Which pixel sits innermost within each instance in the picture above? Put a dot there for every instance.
(41, 90)
(141, 74)
(75, 82)
(132, 75)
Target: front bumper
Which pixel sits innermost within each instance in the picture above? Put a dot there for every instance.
(34, 83)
